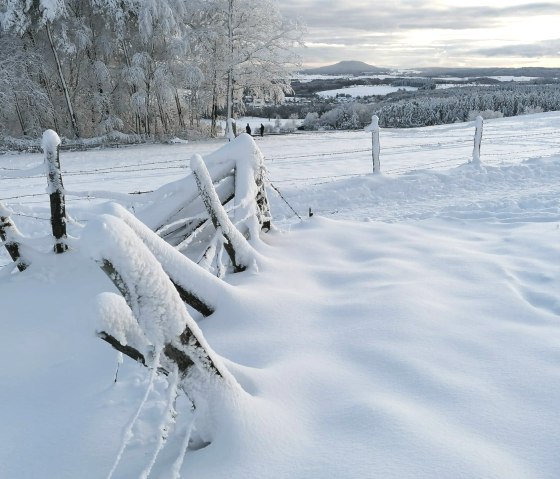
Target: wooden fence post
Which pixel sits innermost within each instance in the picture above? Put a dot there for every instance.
(262, 200)
(479, 122)
(8, 234)
(51, 149)
(375, 145)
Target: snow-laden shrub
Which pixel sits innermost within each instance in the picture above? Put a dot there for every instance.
(486, 114)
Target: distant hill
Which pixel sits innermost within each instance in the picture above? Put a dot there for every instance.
(349, 67)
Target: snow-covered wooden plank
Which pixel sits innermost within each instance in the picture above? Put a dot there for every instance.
(238, 249)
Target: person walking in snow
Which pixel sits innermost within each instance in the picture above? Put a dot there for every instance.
(248, 129)
(262, 129)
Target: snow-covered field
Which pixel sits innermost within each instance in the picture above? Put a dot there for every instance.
(409, 329)
(364, 90)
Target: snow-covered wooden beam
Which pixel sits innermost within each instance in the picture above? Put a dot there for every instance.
(51, 149)
(10, 237)
(196, 286)
(238, 249)
(173, 201)
(180, 231)
(151, 319)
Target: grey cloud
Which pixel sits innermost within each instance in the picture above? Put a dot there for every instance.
(406, 15)
(550, 48)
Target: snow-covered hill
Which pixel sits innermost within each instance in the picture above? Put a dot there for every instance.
(409, 329)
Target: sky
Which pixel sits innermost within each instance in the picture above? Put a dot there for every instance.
(421, 33)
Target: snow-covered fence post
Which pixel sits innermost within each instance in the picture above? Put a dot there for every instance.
(51, 149)
(479, 122)
(375, 145)
(236, 246)
(262, 200)
(252, 211)
(9, 235)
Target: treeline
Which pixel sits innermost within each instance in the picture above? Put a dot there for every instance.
(450, 106)
(149, 67)
(506, 100)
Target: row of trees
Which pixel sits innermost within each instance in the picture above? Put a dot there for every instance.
(150, 67)
(461, 103)
(427, 109)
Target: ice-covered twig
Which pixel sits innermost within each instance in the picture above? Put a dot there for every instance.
(168, 419)
(178, 464)
(128, 434)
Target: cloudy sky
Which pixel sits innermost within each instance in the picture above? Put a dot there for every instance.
(408, 33)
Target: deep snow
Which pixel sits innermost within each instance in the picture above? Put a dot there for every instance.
(409, 329)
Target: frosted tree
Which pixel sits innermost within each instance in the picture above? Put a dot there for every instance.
(21, 94)
(26, 19)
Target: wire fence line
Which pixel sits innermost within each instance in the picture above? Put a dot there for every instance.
(437, 142)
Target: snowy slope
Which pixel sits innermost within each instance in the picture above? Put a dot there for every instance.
(407, 330)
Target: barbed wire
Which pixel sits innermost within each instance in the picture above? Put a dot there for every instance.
(323, 157)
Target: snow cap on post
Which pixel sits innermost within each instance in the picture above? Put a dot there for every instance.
(50, 140)
(374, 126)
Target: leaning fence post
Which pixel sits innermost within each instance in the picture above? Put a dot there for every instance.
(51, 149)
(9, 235)
(375, 145)
(479, 122)
(236, 246)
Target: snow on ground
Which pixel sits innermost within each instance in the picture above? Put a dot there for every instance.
(364, 90)
(409, 329)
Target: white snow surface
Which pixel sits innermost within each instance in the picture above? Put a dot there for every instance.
(365, 90)
(409, 329)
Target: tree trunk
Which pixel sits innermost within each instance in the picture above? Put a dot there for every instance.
(69, 106)
(179, 110)
(229, 100)
(19, 115)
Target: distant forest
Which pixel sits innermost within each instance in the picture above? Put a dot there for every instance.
(437, 107)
